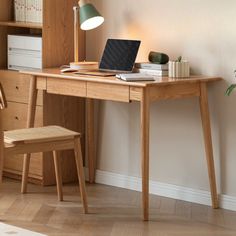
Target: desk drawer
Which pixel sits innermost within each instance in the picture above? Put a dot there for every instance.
(111, 92)
(15, 116)
(16, 86)
(66, 87)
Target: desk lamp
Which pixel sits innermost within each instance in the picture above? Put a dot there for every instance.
(90, 18)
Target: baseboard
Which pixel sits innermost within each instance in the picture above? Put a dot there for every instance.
(163, 189)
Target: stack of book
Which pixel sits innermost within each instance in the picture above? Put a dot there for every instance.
(28, 10)
(153, 69)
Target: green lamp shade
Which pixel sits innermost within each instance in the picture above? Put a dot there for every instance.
(90, 18)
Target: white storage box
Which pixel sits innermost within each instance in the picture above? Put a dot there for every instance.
(24, 52)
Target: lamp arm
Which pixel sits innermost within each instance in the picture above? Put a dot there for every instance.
(77, 28)
(76, 33)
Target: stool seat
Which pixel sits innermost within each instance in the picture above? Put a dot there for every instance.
(36, 135)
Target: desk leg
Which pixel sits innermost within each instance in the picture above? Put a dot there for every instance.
(145, 152)
(90, 145)
(208, 143)
(30, 123)
(1, 148)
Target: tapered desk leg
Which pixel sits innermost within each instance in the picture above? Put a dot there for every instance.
(1, 148)
(145, 152)
(30, 123)
(208, 143)
(90, 145)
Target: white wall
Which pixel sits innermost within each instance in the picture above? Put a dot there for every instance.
(202, 31)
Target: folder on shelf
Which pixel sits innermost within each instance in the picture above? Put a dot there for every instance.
(24, 52)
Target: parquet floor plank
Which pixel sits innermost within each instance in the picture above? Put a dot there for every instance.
(112, 212)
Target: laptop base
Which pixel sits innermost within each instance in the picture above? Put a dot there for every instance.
(95, 73)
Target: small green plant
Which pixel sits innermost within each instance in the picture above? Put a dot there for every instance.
(179, 59)
(231, 87)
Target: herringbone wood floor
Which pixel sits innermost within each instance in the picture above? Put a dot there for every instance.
(113, 212)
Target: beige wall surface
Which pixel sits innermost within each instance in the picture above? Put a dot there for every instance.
(203, 32)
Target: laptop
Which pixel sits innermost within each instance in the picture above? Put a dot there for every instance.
(118, 56)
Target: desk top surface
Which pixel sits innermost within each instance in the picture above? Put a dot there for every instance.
(55, 73)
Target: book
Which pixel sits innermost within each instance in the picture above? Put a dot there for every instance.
(132, 77)
(40, 11)
(23, 11)
(37, 9)
(28, 10)
(34, 12)
(17, 10)
(152, 66)
(19, 13)
(152, 72)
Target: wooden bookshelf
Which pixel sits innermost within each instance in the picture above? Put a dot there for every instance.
(57, 50)
(21, 24)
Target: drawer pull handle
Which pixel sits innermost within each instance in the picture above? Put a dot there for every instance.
(16, 118)
(17, 88)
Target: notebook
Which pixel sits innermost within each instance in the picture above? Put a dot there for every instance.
(135, 77)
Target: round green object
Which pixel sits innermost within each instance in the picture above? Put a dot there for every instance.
(158, 58)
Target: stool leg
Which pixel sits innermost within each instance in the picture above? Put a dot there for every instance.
(30, 123)
(1, 163)
(80, 172)
(25, 173)
(58, 174)
(1, 148)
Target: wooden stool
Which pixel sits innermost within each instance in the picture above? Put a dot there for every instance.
(44, 139)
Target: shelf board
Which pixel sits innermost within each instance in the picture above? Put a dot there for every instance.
(21, 24)
(6, 71)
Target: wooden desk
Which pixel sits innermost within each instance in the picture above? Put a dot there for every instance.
(110, 88)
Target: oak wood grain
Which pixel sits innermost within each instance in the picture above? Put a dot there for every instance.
(174, 92)
(75, 88)
(30, 123)
(21, 24)
(58, 33)
(161, 81)
(116, 213)
(90, 139)
(206, 126)
(144, 128)
(57, 165)
(16, 87)
(108, 92)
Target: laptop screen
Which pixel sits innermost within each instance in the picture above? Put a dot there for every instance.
(119, 55)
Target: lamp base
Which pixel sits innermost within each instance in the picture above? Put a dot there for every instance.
(84, 65)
